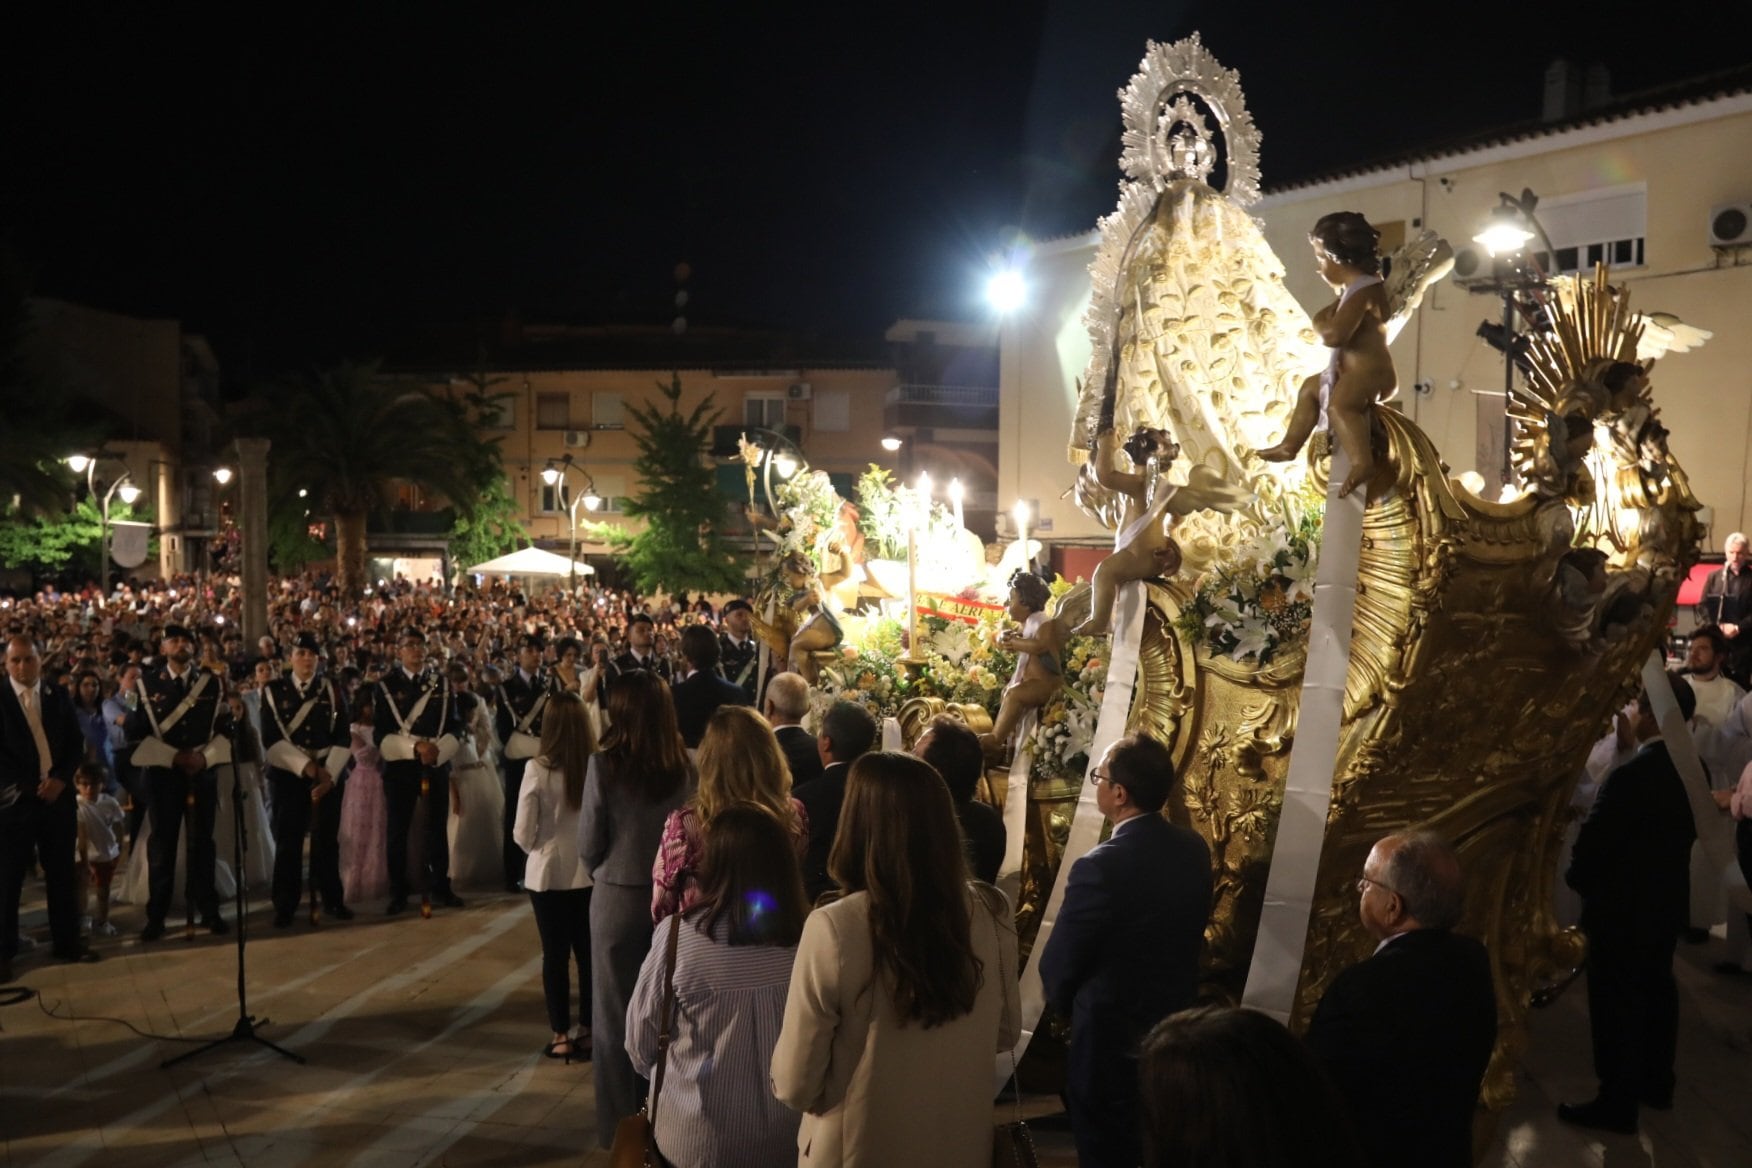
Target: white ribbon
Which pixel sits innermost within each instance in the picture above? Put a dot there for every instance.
(1016, 808)
(1295, 857)
(1682, 749)
(1122, 675)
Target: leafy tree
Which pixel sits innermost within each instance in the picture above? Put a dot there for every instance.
(680, 549)
(290, 546)
(490, 529)
(70, 542)
(347, 435)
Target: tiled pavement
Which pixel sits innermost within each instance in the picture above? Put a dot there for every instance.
(423, 1040)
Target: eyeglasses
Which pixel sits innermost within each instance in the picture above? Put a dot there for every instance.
(1363, 883)
(1101, 777)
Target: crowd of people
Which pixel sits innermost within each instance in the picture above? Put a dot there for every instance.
(780, 942)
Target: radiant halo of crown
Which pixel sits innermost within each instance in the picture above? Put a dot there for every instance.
(1169, 109)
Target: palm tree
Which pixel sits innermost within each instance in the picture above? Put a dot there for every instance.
(347, 434)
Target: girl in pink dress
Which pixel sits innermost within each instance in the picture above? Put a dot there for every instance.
(364, 870)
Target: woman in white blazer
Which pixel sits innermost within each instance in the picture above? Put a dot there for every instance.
(903, 989)
(558, 883)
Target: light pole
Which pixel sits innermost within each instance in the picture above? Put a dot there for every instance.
(554, 475)
(777, 452)
(1505, 235)
(122, 485)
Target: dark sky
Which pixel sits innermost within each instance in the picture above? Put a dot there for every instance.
(304, 189)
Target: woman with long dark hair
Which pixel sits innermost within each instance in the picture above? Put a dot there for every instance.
(546, 827)
(733, 961)
(903, 989)
(638, 778)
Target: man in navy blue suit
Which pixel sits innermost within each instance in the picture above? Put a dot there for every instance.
(1632, 865)
(699, 694)
(1124, 951)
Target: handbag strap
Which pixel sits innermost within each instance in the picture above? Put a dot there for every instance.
(668, 1016)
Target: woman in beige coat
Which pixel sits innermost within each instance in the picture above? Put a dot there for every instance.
(903, 989)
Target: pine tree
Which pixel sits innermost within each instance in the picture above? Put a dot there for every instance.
(680, 549)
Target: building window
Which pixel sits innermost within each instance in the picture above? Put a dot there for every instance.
(553, 411)
(833, 410)
(766, 410)
(550, 499)
(608, 411)
(1594, 227)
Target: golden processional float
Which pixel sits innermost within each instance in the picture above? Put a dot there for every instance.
(1491, 641)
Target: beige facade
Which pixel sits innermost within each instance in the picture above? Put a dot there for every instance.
(1641, 184)
(834, 415)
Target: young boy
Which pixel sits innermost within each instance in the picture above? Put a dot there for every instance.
(100, 825)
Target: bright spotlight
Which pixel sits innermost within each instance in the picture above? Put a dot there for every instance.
(222, 475)
(891, 443)
(129, 493)
(78, 462)
(1005, 291)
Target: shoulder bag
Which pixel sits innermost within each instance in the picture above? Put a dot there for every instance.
(635, 1137)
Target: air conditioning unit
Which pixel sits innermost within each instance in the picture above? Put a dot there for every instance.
(1730, 225)
(1474, 265)
(577, 438)
(802, 391)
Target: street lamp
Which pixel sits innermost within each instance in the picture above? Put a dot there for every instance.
(775, 453)
(1510, 227)
(122, 485)
(554, 475)
(222, 475)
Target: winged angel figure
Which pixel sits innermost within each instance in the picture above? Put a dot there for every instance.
(1191, 326)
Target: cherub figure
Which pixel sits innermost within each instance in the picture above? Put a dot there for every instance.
(806, 622)
(1040, 664)
(1144, 547)
(1355, 328)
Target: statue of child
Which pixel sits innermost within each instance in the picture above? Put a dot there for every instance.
(1040, 662)
(1355, 327)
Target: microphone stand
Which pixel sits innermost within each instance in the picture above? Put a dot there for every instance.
(245, 1028)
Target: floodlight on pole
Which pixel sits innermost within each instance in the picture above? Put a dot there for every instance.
(129, 493)
(1006, 291)
(79, 462)
(1504, 233)
(892, 443)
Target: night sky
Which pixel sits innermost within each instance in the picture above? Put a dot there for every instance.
(321, 187)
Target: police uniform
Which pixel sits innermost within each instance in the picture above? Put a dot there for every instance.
(739, 664)
(301, 726)
(522, 701)
(411, 710)
(630, 662)
(177, 714)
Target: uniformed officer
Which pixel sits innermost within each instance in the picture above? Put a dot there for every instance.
(738, 651)
(183, 727)
(417, 729)
(523, 699)
(306, 740)
(641, 651)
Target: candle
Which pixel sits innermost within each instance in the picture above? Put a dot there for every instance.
(1020, 511)
(956, 494)
(912, 584)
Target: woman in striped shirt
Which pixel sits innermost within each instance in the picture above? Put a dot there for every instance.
(732, 966)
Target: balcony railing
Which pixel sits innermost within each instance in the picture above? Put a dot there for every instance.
(964, 396)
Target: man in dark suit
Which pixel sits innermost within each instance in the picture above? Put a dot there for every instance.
(787, 700)
(847, 731)
(701, 691)
(183, 727)
(1631, 864)
(738, 651)
(953, 750)
(523, 700)
(306, 740)
(40, 745)
(1407, 1033)
(418, 729)
(1124, 951)
(1727, 603)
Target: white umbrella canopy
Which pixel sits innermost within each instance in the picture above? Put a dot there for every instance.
(533, 561)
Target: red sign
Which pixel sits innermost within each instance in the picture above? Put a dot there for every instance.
(954, 608)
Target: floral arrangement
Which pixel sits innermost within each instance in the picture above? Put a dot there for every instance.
(881, 514)
(1261, 597)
